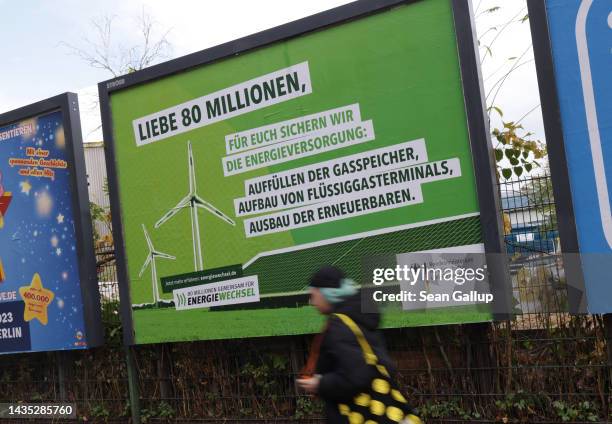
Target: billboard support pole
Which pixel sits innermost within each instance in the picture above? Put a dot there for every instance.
(134, 389)
(295, 367)
(480, 354)
(165, 390)
(60, 361)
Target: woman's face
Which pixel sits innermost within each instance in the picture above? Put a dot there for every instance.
(318, 301)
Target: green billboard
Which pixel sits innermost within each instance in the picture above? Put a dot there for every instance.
(235, 176)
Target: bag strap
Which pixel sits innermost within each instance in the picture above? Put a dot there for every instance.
(371, 359)
(313, 357)
(368, 353)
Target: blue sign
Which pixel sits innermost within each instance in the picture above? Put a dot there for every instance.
(14, 330)
(41, 305)
(581, 39)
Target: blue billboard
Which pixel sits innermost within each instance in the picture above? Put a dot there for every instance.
(581, 43)
(41, 256)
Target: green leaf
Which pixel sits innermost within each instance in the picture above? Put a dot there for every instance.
(518, 170)
(525, 154)
(514, 161)
(507, 173)
(499, 155)
(528, 167)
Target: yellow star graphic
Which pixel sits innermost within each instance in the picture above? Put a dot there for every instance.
(36, 299)
(25, 187)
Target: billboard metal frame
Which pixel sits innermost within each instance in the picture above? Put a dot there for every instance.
(551, 114)
(481, 147)
(68, 105)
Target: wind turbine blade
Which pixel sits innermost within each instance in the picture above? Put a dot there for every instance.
(149, 242)
(205, 205)
(144, 267)
(192, 178)
(182, 204)
(163, 255)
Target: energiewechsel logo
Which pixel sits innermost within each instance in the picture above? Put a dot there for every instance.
(228, 292)
(181, 300)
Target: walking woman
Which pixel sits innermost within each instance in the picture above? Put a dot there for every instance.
(349, 367)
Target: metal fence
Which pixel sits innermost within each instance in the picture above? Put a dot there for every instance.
(545, 366)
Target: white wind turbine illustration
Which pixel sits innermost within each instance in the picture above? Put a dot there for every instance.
(193, 201)
(153, 254)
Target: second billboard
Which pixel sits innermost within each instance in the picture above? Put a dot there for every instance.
(235, 179)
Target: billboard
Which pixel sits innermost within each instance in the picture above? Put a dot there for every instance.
(578, 42)
(236, 172)
(48, 286)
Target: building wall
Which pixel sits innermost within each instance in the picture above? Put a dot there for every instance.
(95, 164)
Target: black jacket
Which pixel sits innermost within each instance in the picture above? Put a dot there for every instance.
(341, 363)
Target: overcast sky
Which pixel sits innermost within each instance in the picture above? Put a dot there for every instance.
(36, 64)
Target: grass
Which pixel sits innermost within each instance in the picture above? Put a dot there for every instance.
(169, 325)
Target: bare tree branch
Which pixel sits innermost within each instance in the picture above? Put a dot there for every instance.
(102, 53)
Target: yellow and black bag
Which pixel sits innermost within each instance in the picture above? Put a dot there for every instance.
(383, 403)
